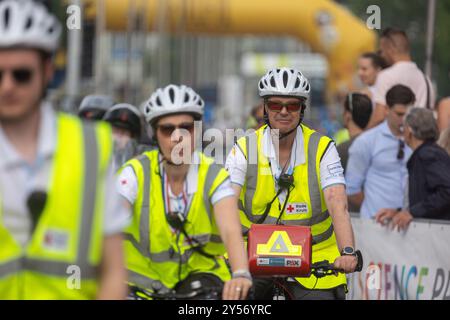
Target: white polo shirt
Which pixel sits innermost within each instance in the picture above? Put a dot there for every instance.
(128, 187)
(18, 179)
(331, 171)
(408, 74)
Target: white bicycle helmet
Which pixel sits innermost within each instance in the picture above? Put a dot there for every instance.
(25, 23)
(173, 99)
(284, 82)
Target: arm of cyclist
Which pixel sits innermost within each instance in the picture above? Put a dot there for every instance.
(336, 201)
(113, 274)
(225, 212)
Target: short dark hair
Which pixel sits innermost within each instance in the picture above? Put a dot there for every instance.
(400, 94)
(377, 61)
(398, 38)
(360, 106)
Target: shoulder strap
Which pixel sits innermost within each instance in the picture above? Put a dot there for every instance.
(428, 91)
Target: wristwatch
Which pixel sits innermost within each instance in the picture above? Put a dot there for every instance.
(348, 251)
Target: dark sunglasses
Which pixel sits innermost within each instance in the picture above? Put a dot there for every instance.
(168, 129)
(20, 75)
(278, 106)
(401, 150)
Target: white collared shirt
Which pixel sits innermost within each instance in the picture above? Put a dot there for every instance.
(18, 179)
(128, 187)
(331, 171)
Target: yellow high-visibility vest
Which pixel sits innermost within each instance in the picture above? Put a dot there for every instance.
(155, 254)
(62, 258)
(259, 190)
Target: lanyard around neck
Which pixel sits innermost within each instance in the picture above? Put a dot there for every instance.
(167, 194)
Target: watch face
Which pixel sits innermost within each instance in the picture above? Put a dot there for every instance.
(349, 250)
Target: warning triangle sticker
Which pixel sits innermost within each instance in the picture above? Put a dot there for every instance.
(279, 246)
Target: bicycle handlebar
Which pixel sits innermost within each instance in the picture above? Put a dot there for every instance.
(143, 294)
(323, 268)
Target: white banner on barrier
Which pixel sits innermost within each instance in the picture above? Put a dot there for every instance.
(411, 265)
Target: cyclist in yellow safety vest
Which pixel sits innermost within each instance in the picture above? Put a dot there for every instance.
(60, 221)
(287, 173)
(184, 209)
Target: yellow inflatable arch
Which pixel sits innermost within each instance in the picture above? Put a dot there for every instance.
(327, 27)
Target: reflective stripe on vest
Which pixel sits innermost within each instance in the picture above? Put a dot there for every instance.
(35, 258)
(259, 190)
(314, 190)
(211, 182)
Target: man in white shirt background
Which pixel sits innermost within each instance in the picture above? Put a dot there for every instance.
(395, 50)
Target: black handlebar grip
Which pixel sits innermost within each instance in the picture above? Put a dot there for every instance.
(360, 263)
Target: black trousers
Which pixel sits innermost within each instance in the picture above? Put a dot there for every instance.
(264, 290)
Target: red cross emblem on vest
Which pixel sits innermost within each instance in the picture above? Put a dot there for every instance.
(290, 208)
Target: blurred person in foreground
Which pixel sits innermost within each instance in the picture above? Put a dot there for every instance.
(60, 219)
(376, 169)
(429, 174)
(395, 50)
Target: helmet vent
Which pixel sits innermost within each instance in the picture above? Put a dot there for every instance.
(272, 82)
(6, 17)
(285, 79)
(29, 23)
(172, 95)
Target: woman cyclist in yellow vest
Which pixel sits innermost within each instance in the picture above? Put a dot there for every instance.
(184, 209)
(293, 175)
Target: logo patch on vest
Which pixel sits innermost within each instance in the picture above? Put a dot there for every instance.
(296, 208)
(335, 169)
(56, 240)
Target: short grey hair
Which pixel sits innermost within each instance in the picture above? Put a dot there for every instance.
(422, 124)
